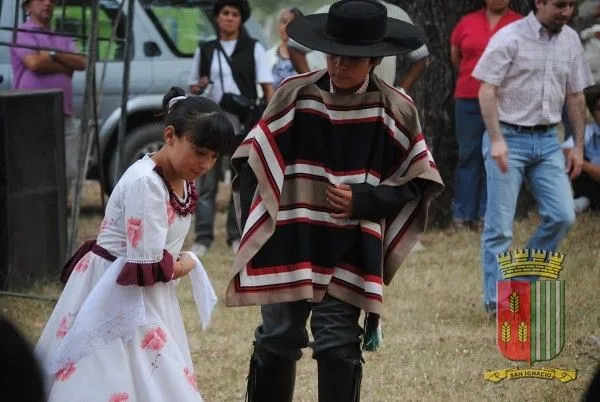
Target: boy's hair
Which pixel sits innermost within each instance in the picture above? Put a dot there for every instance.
(199, 119)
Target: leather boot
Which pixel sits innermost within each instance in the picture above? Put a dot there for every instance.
(340, 374)
(271, 377)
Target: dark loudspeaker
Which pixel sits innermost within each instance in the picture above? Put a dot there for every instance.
(33, 221)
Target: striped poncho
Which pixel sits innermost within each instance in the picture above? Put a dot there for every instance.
(291, 248)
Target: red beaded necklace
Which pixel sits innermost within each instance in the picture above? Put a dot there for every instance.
(188, 206)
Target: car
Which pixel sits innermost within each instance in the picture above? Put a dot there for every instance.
(165, 36)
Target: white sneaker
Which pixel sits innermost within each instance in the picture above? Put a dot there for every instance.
(199, 249)
(235, 246)
(581, 204)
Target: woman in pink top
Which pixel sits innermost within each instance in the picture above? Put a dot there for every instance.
(469, 39)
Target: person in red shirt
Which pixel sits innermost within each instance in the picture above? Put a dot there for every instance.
(468, 41)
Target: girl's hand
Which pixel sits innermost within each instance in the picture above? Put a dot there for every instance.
(183, 266)
(339, 199)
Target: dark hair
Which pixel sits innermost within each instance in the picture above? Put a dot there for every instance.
(592, 95)
(242, 5)
(200, 119)
(20, 373)
(296, 12)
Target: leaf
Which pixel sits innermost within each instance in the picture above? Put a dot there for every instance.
(506, 332)
(522, 332)
(513, 302)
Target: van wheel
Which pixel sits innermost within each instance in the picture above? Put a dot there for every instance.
(144, 139)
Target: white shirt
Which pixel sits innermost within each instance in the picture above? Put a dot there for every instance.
(262, 71)
(534, 71)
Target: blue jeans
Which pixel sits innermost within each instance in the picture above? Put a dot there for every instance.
(537, 158)
(469, 184)
(207, 187)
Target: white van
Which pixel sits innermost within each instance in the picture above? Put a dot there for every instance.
(165, 36)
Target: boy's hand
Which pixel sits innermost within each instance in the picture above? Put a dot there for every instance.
(339, 199)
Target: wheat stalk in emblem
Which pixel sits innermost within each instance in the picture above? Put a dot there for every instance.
(522, 333)
(505, 332)
(513, 302)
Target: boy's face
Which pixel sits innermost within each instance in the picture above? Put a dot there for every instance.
(348, 72)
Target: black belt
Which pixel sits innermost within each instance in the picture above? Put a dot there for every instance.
(540, 127)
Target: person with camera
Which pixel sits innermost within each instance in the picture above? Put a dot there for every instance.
(233, 65)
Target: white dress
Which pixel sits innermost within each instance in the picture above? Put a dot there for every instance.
(115, 343)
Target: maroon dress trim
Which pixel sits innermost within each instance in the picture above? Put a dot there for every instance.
(133, 273)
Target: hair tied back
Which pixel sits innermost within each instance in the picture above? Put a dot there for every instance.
(173, 101)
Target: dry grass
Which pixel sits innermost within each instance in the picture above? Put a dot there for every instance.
(437, 340)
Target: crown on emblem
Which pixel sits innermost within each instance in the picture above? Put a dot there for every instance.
(531, 262)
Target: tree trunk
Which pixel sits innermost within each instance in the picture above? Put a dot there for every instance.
(433, 93)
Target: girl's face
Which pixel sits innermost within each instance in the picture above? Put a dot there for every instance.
(188, 160)
(348, 72)
(229, 20)
(285, 18)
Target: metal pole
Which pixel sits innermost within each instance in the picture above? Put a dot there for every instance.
(29, 296)
(125, 94)
(83, 132)
(16, 21)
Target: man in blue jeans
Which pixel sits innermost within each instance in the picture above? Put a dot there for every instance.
(528, 71)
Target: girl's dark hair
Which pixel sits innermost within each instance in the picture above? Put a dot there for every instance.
(242, 5)
(199, 119)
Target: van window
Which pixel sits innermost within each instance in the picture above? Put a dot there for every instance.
(76, 20)
(182, 27)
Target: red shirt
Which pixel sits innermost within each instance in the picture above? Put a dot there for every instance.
(471, 36)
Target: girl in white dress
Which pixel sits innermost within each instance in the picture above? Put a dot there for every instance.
(117, 332)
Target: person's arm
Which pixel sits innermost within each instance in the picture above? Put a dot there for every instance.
(491, 71)
(74, 62)
(488, 101)
(592, 170)
(577, 112)
(42, 63)
(413, 74)
(262, 71)
(299, 61)
(267, 90)
(365, 201)
(455, 56)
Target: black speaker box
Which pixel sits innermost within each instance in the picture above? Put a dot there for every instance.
(33, 224)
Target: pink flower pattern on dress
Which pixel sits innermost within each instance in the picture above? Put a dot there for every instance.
(190, 377)
(64, 325)
(119, 397)
(155, 339)
(64, 373)
(170, 213)
(134, 231)
(83, 264)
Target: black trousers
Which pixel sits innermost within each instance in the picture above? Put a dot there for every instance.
(586, 186)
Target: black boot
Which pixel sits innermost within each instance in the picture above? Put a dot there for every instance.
(340, 374)
(271, 377)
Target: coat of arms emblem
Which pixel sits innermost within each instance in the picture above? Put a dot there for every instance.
(530, 317)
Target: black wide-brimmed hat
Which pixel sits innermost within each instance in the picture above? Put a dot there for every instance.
(359, 28)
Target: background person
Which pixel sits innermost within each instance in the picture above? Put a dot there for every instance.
(527, 71)
(233, 64)
(468, 41)
(41, 69)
